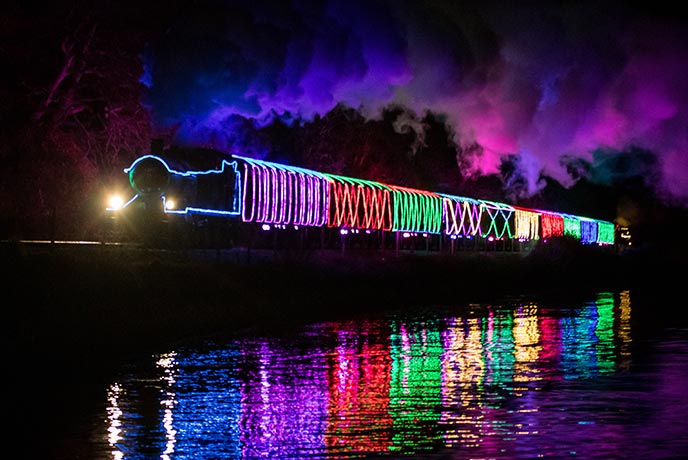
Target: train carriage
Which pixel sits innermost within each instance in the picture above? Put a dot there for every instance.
(283, 195)
(551, 224)
(497, 220)
(360, 204)
(461, 216)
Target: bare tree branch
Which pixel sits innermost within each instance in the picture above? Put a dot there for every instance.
(75, 48)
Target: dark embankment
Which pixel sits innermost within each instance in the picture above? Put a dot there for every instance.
(87, 299)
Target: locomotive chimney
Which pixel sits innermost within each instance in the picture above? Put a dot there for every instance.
(157, 146)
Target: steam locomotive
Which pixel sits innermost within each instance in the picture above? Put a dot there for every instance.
(196, 195)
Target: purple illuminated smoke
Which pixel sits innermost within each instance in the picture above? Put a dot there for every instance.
(540, 81)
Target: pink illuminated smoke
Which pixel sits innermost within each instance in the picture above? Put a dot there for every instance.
(540, 81)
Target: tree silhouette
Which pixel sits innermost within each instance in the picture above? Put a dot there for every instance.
(76, 111)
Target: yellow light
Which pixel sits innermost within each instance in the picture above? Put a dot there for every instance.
(170, 204)
(115, 202)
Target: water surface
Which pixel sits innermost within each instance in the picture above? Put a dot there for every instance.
(522, 378)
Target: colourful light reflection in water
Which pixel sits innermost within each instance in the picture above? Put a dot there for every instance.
(624, 329)
(587, 339)
(416, 385)
(284, 401)
(478, 379)
(114, 422)
(359, 417)
(463, 379)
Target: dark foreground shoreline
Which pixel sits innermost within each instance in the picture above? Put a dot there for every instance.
(86, 300)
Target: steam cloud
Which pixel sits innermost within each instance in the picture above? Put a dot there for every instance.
(537, 81)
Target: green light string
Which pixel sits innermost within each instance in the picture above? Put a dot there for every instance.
(572, 226)
(605, 232)
(416, 210)
(497, 211)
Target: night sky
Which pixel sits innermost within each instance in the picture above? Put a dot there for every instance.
(546, 86)
(581, 79)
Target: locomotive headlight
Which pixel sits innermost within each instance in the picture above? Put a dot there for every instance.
(115, 202)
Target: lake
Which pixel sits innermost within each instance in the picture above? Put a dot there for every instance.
(596, 376)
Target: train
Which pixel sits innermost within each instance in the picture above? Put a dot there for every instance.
(193, 195)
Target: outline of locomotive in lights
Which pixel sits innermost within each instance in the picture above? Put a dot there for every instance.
(190, 187)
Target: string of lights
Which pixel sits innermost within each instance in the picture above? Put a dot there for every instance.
(527, 224)
(461, 215)
(416, 210)
(588, 231)
(551, 224)
(572, 226)
(277, 194)
(605, 232)
(498, 223)
(280, 194)
(359, 203)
